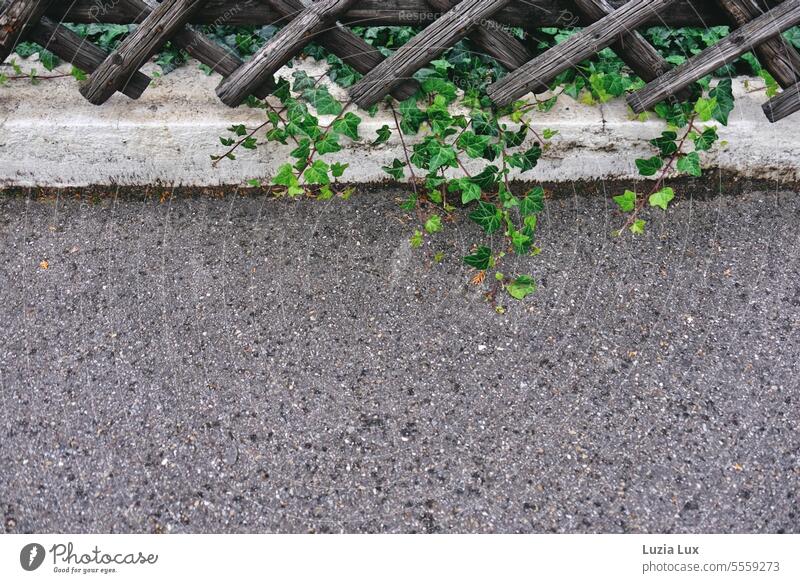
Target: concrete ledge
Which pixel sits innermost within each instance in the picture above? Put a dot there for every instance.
(50, 136)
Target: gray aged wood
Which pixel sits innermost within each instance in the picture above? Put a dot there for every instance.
(280, 49)
(156, 29)
(492, 38)
(642, 57)
(783, 105)
(17, 18)
(734, 45)
(523, 13)
(220, 59)
(423, 48)
(352, 49)
(778, 57)
(70, 47)
(575, 49)
(86, 56)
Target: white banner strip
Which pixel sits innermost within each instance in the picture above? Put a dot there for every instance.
(380, 558)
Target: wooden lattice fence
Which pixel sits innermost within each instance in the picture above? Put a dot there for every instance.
(757, 25)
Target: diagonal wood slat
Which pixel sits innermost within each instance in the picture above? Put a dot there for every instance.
(642, 57)
(220, 59)
(423, 48)
(522, 13)
(72, 48)
(86, 56)
(780, 59)
(17, 17)
(578, 47)
(280, 49)
(783, 105)
(734, 45)
(352, 49)
(135, 49)
(493, 39)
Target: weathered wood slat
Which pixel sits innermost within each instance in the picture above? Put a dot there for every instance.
(220, 59)
(492, 38)
(17, 18)
(352, 49)
(72, 48)
(784, 104)
(780, 59)
(280, 49)
(575, 49)
(86, 56)
(523, 13)
(135, 49)
(642, 57)
(734, 45)
(423, 48)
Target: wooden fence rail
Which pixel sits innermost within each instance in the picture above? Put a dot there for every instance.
(757, 25)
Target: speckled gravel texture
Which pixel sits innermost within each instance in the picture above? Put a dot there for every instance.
(246, 364)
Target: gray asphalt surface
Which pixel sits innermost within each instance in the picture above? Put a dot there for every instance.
(248, 364)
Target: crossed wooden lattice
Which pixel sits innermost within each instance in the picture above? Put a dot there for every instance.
(610, 23)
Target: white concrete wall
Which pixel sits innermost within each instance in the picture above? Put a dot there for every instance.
(50, 136)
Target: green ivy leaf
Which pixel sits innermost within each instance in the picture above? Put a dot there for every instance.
(439, 86)
(322, 101)
(473, 144)
(302, 81)
(637, 228)
(723, 94)
(441, 155)
(412, 116)
(347, 125)
(487, 216)
(484, 125)
(666, 143)
(533, 203)
(396, 170)
(384, 134)
(515, 139)
(662, 198)
(469, 190)
(520, 241)
(48, 59)
(705, 108)
(704, 141)
(521, 287)
(433, 224)
(626, 202)
(527, 160)
(487, 178)
(302, 151)
(328, 144)
(481, 259)
(337, 169)
(690, 164)
(770, 82)
(410, 203)
(287, 178)
(650, 166)
(317, 173)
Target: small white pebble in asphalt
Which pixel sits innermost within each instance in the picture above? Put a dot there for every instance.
(481, 347)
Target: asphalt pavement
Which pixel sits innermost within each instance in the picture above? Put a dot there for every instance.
(246, 364)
